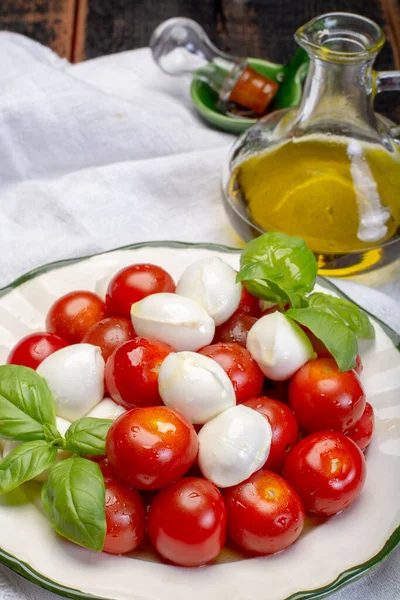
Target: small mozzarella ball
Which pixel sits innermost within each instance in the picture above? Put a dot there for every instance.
(279, 346)
(195, 385)
(107, 409)
(234, 445)
(212, 283)
(101, 287)
(174, 320)
(75, 376)
(62, 426)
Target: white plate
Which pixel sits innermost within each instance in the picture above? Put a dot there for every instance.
(328, 554)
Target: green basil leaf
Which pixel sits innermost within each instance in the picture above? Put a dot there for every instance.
(339, 339)
(352, 315)
(278, 264)
(26, 403)
(74, 500)
(25, 462)
(87, 436)
(52, 435)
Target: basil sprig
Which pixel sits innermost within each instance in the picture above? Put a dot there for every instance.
(281, 269)
(73, 495)
(73, 498)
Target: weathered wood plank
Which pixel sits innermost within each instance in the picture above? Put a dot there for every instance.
(51, 22)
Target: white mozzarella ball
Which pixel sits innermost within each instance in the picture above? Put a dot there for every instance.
(212, 283)
(195, 385)
(173, 319)
(234, 445)
(107, 409)
(101, 287)
(279, 346)
(75, 376)
(62, 426)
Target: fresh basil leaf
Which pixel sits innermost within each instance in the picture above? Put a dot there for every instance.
(26, 403)
(74, 500)
(87, 436)
(25, 462)
(52, 435)
(350, 313)
(339, 339)
(281, 260)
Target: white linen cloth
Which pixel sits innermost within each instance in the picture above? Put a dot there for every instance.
(110, 152)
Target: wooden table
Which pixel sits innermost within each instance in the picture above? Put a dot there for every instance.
(81, 29)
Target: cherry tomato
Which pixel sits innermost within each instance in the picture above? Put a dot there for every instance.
(327, 470)
(361, 433)
(237, 362)
(72, 315)
(151, 447)
(133, 284)
(105, 467)
(319, 347)
(109, 333)
(323, 398)
(125, 518)
(273, 308)
(265, 514)
(131, 372)
(234, 330)
(285, 432)
(187, 522)
(34, 348)
(248, 305)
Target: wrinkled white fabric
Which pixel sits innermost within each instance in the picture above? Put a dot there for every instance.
(110, 152)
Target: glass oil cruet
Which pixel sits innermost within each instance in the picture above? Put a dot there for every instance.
(329, 170)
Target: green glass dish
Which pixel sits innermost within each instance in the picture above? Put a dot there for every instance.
(290, 77)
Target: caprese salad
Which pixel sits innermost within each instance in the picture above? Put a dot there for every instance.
(222, 405)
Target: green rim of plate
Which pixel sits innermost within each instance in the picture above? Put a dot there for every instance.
(348, 576)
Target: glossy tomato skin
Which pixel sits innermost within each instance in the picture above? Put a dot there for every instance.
(285, 431)
(243, 371)
(248, 305)
(109, 333)
(265, 514)
(72, 315)
(362, 432)
(327, 470)
(34, 348)
(323, 398)
(134, 283)
(151, 447)
(187, 522)
(125, 518)
(131, 373)
(234, 330)
(105, 467)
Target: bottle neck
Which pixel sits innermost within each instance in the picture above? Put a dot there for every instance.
(339, 95)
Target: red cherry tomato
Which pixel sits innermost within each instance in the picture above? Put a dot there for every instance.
(105, 467)
(248, 305)
(237, 362)
(125, 518)
(187, 522)
(72, 315)
(133, 284)
(109, 333)
(362, 432)
(273, 308)
(151, 447)
(285, 432)
(327, 470)
(234, 330)
(265, 514)
(34, 348)
(131, 372)
(323, 398)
